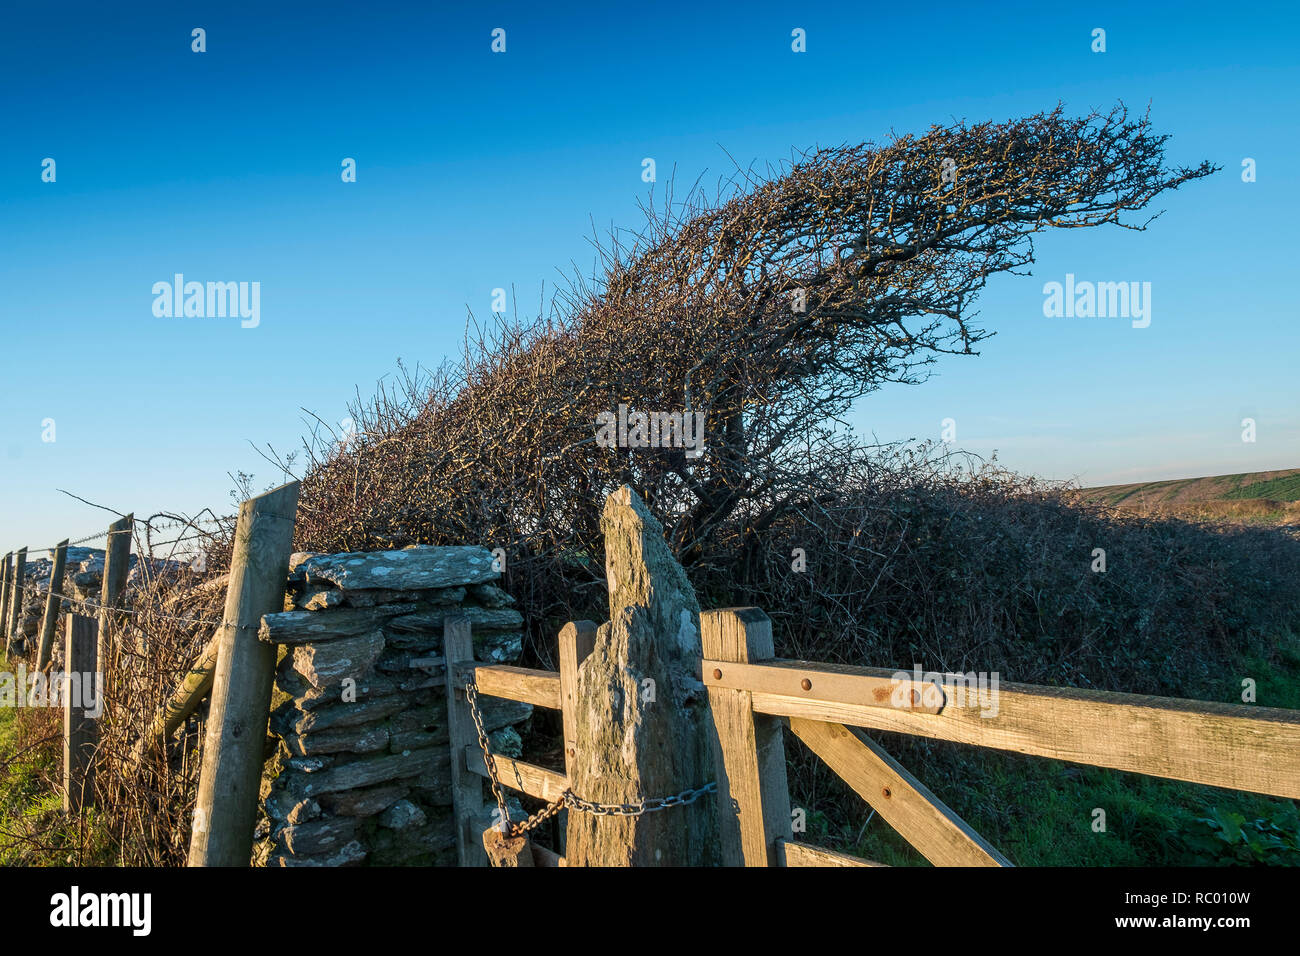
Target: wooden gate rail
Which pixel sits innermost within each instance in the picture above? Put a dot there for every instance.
(1236, 746)
(554, 690)
(753, 696)
(539, 688)
(793, 854)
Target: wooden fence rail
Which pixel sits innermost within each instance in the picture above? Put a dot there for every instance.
(1235, 746)
(1224, 745)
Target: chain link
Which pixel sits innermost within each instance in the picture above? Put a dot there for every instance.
(471, 696)
(568, 799)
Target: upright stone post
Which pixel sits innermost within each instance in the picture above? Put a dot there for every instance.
(230, 779)
(642, 726)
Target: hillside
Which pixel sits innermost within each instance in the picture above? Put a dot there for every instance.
(1271, 497)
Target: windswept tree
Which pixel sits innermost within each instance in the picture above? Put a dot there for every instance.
(770, 309)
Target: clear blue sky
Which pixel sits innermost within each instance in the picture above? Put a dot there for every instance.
(478, 170)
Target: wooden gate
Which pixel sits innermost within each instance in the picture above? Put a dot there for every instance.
(755, 697)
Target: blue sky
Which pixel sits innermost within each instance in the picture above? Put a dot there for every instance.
(479, 170)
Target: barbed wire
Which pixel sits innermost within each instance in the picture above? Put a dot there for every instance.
(96, 608)
(150, 527)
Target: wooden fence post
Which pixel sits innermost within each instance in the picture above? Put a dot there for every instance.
(466, 787)
(749, 753)
(17, 591)
(117, 561)
(80, 732)
(577, 638)
(5, 570)
(230, 779)
(52, 604)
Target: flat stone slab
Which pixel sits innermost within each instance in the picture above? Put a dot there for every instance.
(322, 836)
(303, 627)
(371, 770)
(328, 662)
(432, 621)
(350, 855)
(360, 740)
(363, 803)
(416, 568)
(338, 715)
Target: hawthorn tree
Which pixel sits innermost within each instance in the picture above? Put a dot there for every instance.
(771, 308)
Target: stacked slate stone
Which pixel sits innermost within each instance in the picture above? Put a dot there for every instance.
(365, 765)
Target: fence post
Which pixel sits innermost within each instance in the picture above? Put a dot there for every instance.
(230, 778)
(80, 732)
(749, 753)
(52, 604)
(5, 570)
(117, 561)
(17, 591)
(577, 638)
(466, 787)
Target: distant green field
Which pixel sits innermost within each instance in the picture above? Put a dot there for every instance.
(1286, 488)
(1268, 497)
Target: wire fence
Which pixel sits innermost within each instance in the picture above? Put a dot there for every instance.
(92, 608)
(151, 527)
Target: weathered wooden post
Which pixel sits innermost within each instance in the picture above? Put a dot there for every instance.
(52, 604)
(81, 687)
(5, 570)
(17, 591)
(466, 787)
(117, 561)
(230, 779)
(749, 754)
(577, 638)
(642, 726)
(508, 852)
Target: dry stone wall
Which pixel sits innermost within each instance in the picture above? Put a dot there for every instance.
(364, 763)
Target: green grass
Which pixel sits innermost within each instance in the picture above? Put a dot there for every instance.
(33, 829)
(1286, 488)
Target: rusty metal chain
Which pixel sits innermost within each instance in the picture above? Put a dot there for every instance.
(688, 796)
(567, 799)
(541, 816)
(471, 696)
